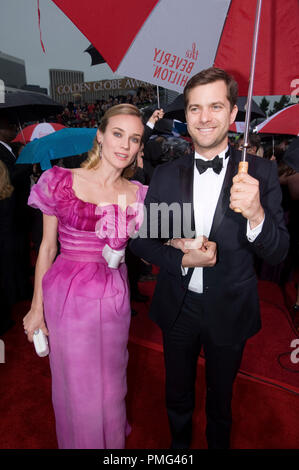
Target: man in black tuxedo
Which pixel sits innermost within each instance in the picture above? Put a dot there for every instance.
(20, 179)
(206, 295)
(8, 131)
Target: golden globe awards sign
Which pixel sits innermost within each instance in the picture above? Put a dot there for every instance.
(103, 85)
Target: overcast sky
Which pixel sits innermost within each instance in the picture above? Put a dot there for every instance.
(64, 43)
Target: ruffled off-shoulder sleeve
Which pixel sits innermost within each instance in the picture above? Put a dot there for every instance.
(44, 193)
(142, 192)
(137, 209)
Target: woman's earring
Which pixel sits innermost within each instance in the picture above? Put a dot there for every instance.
(100, 149)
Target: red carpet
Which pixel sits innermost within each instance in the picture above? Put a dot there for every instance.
(265, 417)
(262, 353)
(265, 406)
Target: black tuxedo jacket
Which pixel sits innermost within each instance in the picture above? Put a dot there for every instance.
(17, 172)
(8, 159)
(20, 179)
(230, 287)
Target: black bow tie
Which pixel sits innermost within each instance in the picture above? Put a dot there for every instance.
(203, 165)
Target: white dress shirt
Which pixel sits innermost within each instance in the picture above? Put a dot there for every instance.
(206, 191)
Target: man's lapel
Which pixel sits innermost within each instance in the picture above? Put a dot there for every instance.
(223, 201)
(9, 154)
(188, 222)
(186, 181)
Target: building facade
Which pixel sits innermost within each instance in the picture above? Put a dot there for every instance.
(12, 71)
(66, 78)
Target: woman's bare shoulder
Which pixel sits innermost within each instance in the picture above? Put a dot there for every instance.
(81, 172)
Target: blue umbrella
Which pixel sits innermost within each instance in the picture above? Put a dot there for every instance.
(64, 143)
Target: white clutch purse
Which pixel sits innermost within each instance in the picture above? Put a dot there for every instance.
(113, 257)
(40, 343)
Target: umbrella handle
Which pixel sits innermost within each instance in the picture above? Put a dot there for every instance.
(243, 168)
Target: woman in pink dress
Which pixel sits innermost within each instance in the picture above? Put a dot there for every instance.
(81, 300)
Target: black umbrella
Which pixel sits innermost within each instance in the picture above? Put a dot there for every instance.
(256, 111)
(96, 57)
(175, 110)
(21, 105)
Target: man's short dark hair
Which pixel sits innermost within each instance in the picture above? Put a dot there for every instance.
(211, 75)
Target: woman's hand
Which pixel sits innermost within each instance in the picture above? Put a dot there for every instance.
(34, 320)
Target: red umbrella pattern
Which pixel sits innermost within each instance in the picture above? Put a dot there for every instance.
(36, 131)
(285, 121)
(165, 42)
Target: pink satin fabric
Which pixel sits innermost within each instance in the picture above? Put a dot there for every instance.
(87, 310)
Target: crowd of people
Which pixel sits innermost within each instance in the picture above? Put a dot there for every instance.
(90, 114)
(206, 292)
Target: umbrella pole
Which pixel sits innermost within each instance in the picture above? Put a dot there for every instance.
(158, 97)
(21, 130)
(243, 165)
(251, 80)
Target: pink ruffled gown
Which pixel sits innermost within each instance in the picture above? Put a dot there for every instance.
(87, 310)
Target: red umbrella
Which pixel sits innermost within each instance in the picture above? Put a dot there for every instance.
(36, 131)
(165, 42)
(285, 121)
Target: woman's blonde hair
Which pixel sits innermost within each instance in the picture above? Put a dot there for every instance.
(6, 187)
(94, 154)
